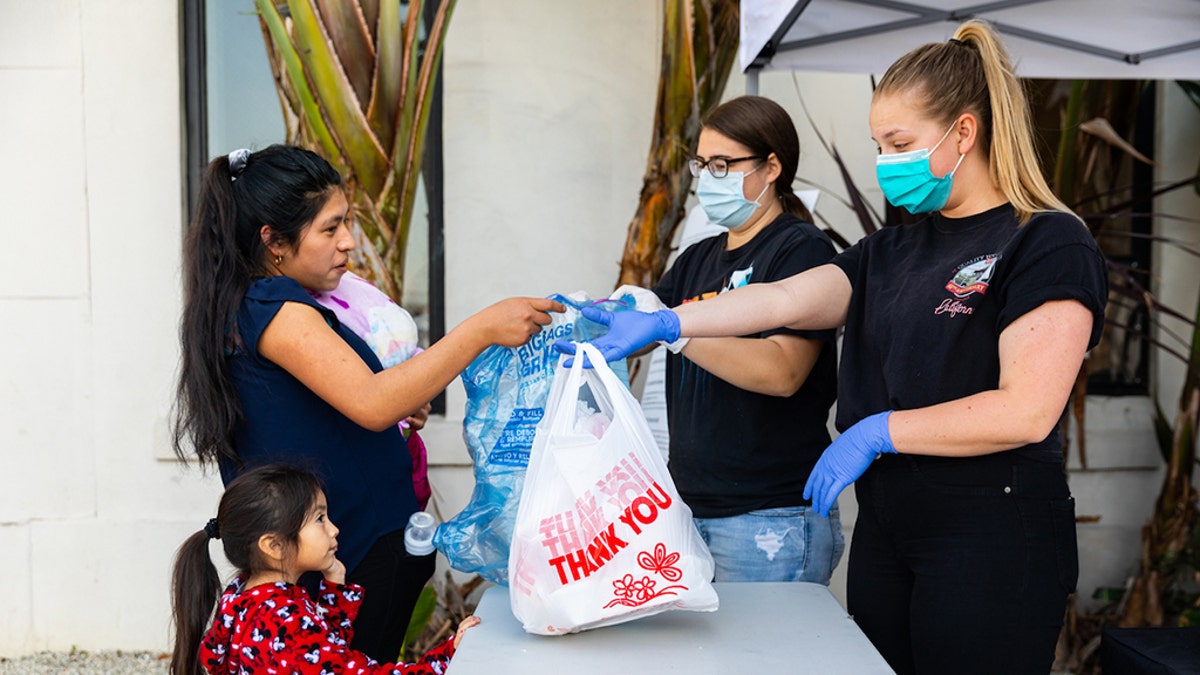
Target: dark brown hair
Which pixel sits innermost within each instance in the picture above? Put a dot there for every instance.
(764, 127)
(274, 499)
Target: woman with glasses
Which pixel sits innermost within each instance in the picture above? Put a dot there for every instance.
(747, 415)
(964, 335)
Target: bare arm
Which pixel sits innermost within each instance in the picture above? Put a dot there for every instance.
(776, 366)
(814, 299)
(1040, 356)
(300, 342)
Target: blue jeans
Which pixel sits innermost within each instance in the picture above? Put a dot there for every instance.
(793, 543)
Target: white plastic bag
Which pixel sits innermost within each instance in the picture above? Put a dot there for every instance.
(601, 535)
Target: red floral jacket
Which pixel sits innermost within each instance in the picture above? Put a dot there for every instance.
(276, 628)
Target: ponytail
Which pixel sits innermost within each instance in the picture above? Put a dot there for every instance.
(1013, 162)
(215, 279)
(972, 73)
(792, 203)
(280, 186)
(195, 588)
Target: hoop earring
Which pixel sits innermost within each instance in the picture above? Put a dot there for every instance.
(277, 260)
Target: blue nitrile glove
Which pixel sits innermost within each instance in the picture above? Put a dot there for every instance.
(646, 301)
(627, 332)
(846, 459)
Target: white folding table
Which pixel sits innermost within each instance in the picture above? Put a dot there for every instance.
(792, 628)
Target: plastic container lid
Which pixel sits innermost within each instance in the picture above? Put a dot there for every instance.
(418, 536)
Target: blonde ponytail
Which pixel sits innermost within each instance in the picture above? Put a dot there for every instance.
(1012, 161)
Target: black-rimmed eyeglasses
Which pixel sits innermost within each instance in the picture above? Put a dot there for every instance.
(717, 166)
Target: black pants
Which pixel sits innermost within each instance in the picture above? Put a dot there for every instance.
(391, 580)
(963, 565)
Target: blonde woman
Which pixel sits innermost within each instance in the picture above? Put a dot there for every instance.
(963, 336)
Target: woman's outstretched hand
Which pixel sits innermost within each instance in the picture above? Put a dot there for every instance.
(627, 332)
(846, 459)
(511, 322)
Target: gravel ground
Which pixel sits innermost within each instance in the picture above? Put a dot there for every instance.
(86, 663)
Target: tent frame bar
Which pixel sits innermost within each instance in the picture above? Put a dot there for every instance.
(768, 51)
(1133, 59)
(925, 15)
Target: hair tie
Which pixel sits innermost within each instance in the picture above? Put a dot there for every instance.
(211, 529)
(237, 162)
(960, 43)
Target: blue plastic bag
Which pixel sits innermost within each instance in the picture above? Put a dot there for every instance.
(507, 389)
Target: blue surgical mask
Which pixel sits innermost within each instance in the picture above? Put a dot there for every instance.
(908, 182)
(723, 199)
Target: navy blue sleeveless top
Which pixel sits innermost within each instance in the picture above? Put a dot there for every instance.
(367, 474)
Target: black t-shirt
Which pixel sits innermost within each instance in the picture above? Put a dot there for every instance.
(931, 299)
(734, 451)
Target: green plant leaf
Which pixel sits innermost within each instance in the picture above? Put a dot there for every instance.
(421, 99)
(422, 613)
(389, 83)
(339, 104)
(352, 42)
(295, 70)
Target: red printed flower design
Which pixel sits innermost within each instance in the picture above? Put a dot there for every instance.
(628, 588)
(632, 592)
(661, 563)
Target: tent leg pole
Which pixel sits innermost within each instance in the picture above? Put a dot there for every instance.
(752, 82)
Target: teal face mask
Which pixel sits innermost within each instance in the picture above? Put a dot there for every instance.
(723, 201)
(908, 182)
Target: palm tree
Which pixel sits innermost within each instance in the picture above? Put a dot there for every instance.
(700, 39)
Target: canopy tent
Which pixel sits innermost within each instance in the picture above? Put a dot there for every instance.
(1063, 39)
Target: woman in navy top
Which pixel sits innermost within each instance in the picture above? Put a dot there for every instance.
(269, 375)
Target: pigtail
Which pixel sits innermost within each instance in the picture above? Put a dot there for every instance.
(195, 588)
(1013, 164)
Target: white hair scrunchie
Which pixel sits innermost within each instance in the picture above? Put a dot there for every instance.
(237, 162)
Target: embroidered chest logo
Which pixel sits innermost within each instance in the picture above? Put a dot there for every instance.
(737, 279)
(971, 277)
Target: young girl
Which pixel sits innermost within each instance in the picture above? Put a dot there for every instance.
(274, 525)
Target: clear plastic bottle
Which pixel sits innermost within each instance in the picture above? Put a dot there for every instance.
(418, 536)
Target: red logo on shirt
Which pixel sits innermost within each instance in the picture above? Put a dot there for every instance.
(973, 276)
